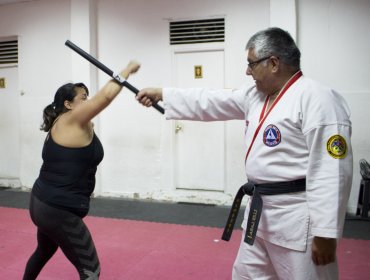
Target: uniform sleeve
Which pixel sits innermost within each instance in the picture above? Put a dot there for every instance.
(204, 104)
(327, 131)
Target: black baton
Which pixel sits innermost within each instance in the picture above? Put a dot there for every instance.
(108, 71)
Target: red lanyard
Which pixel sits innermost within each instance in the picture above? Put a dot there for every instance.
(263, 116)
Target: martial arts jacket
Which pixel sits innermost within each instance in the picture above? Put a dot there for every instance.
(305, 135)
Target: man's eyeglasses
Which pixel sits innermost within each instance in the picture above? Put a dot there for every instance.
(253, 64)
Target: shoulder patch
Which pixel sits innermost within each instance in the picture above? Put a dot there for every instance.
(337, 146)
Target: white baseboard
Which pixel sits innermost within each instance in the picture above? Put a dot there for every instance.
(10, 182)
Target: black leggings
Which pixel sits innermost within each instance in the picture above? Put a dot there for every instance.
(61, 228)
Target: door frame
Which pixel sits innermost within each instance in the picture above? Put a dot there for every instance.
(13, 180)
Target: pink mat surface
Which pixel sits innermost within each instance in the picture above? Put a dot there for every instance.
(138, 250)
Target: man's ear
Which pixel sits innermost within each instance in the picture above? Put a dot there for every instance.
(275, 63)
(67, 104)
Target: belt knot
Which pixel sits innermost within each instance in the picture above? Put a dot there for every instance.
(255, 191)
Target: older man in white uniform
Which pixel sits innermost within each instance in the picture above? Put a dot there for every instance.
(297, 130)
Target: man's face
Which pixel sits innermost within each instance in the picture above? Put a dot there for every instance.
(260, 71)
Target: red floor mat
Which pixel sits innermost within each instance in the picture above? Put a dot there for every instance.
(137, 250)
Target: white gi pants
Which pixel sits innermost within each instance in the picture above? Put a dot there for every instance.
(267, 261)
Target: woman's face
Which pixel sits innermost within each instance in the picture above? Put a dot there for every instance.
(81, 96)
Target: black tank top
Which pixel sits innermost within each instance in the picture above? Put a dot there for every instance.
(67, 175)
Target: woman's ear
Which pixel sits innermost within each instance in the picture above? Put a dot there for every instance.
(67, 104)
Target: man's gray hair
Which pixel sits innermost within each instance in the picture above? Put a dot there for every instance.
(275, 42)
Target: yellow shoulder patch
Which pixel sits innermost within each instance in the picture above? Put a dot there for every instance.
(337, 146)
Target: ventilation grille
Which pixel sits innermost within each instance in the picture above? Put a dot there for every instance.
(8, 52)
(197, 31)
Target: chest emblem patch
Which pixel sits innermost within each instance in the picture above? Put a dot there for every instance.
(337, 146)
(271, 136)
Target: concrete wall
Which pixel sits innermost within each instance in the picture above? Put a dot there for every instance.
(332, 36)
(334, 39)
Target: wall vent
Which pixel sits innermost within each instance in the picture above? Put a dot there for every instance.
(8, 52)
(197, 31)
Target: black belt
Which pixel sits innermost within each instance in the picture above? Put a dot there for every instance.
(255, 190)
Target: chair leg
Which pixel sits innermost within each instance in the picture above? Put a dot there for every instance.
(365, 199)
(359, 199)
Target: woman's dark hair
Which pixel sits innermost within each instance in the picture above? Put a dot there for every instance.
(53, 110)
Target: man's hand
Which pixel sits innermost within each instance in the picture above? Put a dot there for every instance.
(323, 250)
(149, 96)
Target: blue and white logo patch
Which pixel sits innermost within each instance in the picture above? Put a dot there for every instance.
(271, 136)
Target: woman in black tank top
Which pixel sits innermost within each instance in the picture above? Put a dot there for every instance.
(60, 196)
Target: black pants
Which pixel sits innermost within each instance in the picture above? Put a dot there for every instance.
(63, 229)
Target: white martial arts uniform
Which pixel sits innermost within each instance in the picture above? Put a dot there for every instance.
(306, 134)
